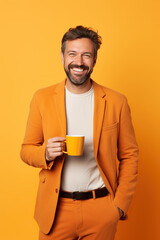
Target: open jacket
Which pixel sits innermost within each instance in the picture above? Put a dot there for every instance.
(115, 147)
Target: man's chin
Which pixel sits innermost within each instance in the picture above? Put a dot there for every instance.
(77, 82)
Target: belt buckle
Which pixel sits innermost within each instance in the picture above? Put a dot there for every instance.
(74, 196)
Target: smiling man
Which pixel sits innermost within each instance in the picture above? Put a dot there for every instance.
(81, 197)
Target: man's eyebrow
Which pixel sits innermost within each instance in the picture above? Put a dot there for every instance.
(88, 53)
(70, 51)
(82, 53)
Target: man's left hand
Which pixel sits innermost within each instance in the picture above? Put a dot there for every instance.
(121, 213)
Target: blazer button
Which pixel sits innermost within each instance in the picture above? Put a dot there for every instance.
(56, 190)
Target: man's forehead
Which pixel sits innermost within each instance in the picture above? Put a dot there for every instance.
(80, 44)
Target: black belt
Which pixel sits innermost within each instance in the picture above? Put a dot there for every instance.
(97, 193)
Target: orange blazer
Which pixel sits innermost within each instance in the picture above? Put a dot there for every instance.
(113, 139)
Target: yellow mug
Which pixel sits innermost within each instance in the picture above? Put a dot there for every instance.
(74, 145)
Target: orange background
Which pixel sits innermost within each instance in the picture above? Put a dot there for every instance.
(128, 61)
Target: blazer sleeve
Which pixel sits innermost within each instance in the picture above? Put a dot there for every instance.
(128, 156)
(33, 146)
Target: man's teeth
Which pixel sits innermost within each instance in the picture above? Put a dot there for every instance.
(78, 69)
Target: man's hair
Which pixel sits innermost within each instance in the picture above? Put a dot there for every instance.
(82, 32)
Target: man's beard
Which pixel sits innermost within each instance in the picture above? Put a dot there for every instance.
(83, 79)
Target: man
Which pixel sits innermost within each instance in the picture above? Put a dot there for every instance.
(81, 197)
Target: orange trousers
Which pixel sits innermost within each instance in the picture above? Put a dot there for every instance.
(92, 219)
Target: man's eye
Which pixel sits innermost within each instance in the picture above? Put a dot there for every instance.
(87, 55)
(71, 54)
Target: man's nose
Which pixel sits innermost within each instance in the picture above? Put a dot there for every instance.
(79, 60)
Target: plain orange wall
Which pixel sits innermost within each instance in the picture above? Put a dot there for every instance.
(128, 61)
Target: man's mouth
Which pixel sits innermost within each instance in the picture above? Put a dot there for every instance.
(78, 74)
(78, 69)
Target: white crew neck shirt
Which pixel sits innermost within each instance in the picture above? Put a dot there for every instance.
(81, 173)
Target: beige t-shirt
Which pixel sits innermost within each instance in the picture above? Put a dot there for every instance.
(80, 173)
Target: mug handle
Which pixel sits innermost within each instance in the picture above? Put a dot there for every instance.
(65, 151)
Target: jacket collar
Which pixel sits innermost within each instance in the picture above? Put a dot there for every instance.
(98, 89)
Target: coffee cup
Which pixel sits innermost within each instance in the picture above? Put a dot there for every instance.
(74, 145)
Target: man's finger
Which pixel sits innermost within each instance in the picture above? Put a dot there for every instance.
(54, 155)
(58, 149)
(56, 139)
(55, 144)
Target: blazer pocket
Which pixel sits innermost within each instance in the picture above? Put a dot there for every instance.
(42, 176)
(110, 127)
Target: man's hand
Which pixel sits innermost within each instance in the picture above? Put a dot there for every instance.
(121, 213)
(54, 148)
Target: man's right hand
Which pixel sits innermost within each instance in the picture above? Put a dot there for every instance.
(54, 148)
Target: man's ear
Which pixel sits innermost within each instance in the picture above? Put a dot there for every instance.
(62, 58)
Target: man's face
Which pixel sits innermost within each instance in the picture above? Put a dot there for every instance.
(79, 60)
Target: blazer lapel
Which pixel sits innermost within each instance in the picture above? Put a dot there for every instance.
(60, 107)
(99, 108)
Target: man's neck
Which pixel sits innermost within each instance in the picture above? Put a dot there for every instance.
(78, 89)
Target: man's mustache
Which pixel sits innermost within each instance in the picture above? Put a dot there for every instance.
(78, 66)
